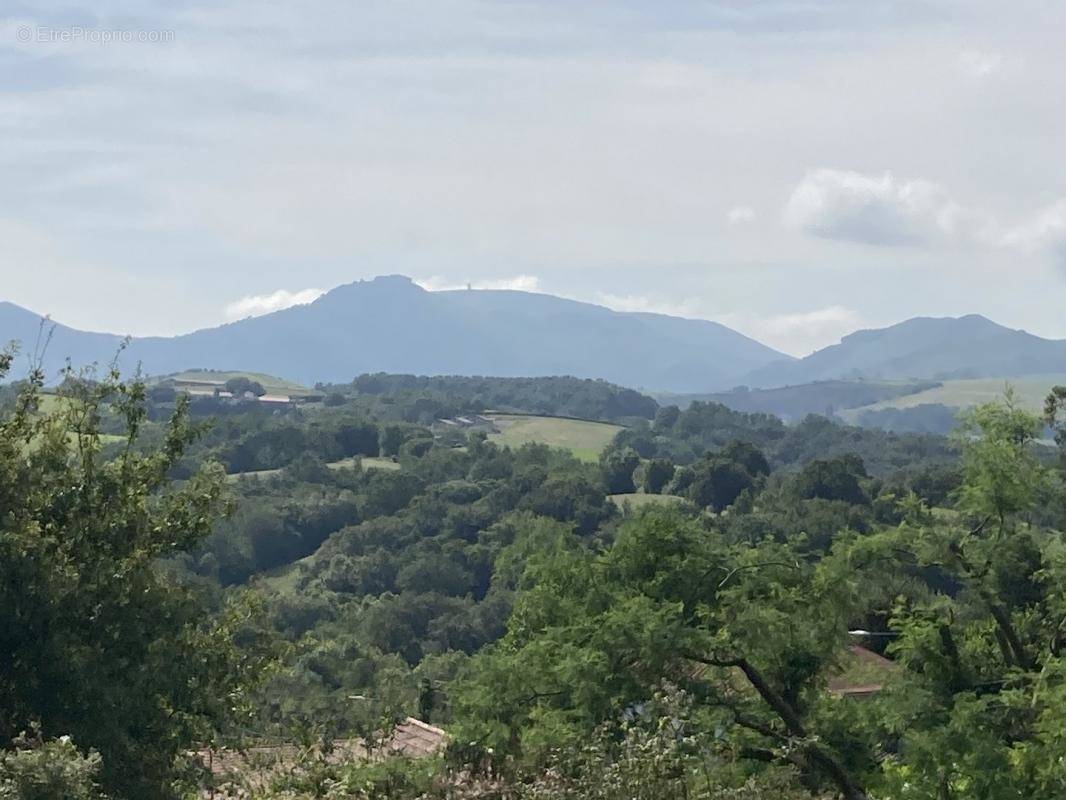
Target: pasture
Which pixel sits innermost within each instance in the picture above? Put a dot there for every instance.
(207, 379)
(368, 462)
(1030, 391)
(585, 439)
(637, 500)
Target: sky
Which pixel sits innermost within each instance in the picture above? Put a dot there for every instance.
(795, 170)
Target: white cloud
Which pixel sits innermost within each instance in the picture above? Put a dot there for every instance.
(739, 215)
(518, 283)
(650, 305)
(1044, 232)
(257, 304)
(797, 333)
(881, 210)
(978, 64)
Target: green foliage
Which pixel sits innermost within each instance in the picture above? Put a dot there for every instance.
(617, 467)
(571, 651)
(1001, 476)
(241, 384)
(449, 395)
(657, 473)
(52, 770)
(98, 643)
(685, 436)
(832, 479)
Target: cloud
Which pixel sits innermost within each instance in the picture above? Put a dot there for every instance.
(258, 304)
(798, 333)
(1043, 232)
(978, 64)
(518, 283)
(879, 210)
(740, 215)
(650, 305)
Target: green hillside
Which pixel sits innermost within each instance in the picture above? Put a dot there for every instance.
(1030, 392)
(207, 378)
(583, 438)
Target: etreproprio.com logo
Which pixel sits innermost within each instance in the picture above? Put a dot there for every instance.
(39, 34)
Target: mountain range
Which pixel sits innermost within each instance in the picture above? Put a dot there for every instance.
(937, 348)
(390, 324)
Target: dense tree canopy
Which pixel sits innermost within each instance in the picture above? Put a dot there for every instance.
(97, 643)
(698, 643)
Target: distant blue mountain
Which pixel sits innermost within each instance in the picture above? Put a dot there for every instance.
(938, 348)
(390, 324)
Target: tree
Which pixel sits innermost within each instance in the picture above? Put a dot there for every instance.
(358, 438)
(617, 467)
(53, 770)
(97, 643)
(749, 631)
(832, 479)
(974, 608)
(241, 384)
(392, 436)
(748, 456)
(1053, 406)
(657, 473)
(717, 482)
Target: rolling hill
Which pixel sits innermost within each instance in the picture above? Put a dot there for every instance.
(796, 402)
(390, 324)
(926, 348)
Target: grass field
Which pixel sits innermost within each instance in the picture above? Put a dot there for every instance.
(344, 463)
(584, 439)
(52, 403)
(271, 383)
(1029, 390)
(639, 500)
(255, 473)
(368, 463)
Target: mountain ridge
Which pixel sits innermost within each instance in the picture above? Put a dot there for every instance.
(391, 324)
(936, 348)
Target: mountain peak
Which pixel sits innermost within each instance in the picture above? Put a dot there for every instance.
(380, 284)
(938, 348)
(391, 324)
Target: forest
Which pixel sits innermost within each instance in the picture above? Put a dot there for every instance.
(804, 610)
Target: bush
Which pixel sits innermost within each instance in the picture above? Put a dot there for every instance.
(53, 770)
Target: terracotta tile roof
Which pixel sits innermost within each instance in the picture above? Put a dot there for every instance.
(864, 676)
(411, 738)
(414, 738)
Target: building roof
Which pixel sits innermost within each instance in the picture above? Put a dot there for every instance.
(414, 738)
(411, 738)
(864, 675)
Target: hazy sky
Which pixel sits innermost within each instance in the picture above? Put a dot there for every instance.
(796, 170)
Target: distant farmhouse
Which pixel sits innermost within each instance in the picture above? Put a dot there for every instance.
(216, 388)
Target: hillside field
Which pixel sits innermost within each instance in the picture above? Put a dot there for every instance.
(638, 500)
(1030, 391)
(202, 378)
(585, 439)
(367, 462)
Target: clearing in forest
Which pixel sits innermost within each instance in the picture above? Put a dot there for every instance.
(584, 438)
